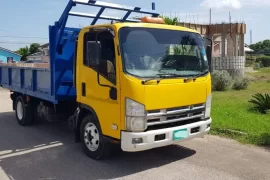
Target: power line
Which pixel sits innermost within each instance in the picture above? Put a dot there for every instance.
(3, 42)
(24, 37)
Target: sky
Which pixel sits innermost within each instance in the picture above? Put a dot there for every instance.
(27, 21)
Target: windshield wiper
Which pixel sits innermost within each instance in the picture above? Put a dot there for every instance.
(147, 80)
(161, 76)
(196, 76)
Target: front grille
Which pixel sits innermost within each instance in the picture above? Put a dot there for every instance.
(174, 124)
(174, 115)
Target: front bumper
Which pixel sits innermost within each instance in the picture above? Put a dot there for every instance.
(148, 138)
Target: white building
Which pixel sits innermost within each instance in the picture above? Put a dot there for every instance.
(44, 53)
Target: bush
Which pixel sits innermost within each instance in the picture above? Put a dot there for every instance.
(250, 60)
(257, 66)
(221, 80)
(249, 63)
(261, 102)
(264, 60)
(241, 83)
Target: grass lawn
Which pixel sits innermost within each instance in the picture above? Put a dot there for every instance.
(233, 117)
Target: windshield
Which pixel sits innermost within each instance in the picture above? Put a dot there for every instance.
(148, 52)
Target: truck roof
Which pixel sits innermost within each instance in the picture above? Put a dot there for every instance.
(150, 25)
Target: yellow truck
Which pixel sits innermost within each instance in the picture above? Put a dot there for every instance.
(140, 84)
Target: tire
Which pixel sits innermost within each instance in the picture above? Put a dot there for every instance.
(24, 113)
(94, 144)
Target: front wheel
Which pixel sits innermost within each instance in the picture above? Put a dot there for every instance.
(23, 112)
(94, 144)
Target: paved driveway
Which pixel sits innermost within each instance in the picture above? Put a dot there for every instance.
(48, 151)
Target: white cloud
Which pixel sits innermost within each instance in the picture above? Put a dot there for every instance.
(234, 4)
(262, 3)
(221, 4)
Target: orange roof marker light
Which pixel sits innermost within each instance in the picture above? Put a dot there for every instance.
(156, 20)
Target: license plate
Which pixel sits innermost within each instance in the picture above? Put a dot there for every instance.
(180, 134)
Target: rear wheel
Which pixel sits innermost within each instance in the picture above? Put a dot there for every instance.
(94, 144)
(24, 113)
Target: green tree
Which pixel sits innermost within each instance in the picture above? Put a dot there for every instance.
(185, 47)
(34, 48)
(169, 20)
(24, 52)
(261, 46)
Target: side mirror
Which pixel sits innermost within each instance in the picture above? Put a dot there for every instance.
(209, 56)
(93, 53)
(209, 51)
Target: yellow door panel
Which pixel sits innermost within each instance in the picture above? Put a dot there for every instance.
(107, 110)
(95, 95)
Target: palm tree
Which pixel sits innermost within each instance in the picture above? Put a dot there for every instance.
(169, 20)
(24, 52)
(185, 46)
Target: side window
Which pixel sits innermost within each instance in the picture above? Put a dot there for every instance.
(9, 59)
(107, 63)
(88, 37)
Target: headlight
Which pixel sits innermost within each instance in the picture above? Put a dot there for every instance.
(135, 116)
(208, 106)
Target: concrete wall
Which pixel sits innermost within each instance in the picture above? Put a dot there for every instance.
(4, 54)
(41, 57)
(235, 65)
(209, 30)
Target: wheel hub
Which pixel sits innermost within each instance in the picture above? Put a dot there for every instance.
(91, 137)
(19, 110)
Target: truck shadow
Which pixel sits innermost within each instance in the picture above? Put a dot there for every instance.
(45, 151)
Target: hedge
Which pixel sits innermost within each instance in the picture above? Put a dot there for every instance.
(265, 60)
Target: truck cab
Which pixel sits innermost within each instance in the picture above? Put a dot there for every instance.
(148, 85)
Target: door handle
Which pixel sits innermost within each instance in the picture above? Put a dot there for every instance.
(83, 89)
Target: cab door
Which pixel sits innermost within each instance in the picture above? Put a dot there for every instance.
(98, 84)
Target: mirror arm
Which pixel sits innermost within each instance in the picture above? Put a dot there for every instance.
(113, 96)
(103, 85)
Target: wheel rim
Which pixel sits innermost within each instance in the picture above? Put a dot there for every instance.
(91, 137)
(19, 110)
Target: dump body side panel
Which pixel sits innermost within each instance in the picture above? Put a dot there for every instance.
(31, 81)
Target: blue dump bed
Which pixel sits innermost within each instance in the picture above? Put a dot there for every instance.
(53, 83)
(32, 81)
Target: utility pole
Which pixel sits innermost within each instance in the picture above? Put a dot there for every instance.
(230, 18)
(153, 6)
(210, 16)
(250, 37)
